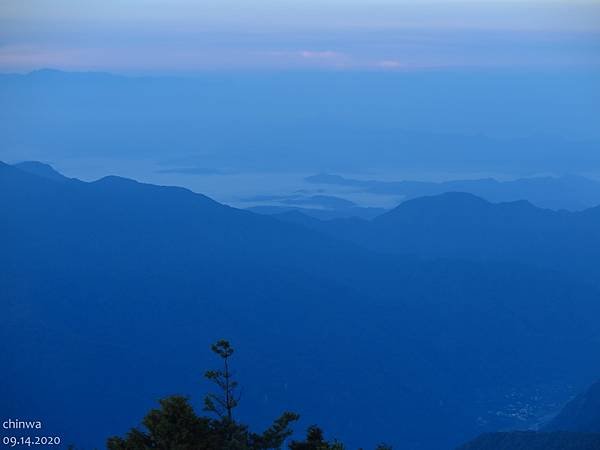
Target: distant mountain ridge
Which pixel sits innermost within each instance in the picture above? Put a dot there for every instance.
(122, 120)
(462, 225)
(320, 214)
(569, 192)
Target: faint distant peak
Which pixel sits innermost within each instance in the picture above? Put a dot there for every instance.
(47, 72)
(41, 170)
(328, 178)
(190, 171)
(58, 75)
(447, 198)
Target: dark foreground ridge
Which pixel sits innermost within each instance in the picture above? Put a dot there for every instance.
(531, 440)
(580, 414)
(576, 427)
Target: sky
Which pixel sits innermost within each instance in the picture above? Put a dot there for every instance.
(383, 89)
(187, 36)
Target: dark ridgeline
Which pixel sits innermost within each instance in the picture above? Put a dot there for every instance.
(576, 427)
(41, 169)
(110, 288)
(531, 440)
(461, 225)
(582, 414)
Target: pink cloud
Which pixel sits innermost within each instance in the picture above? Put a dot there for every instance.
(390, 64)
(327, 54)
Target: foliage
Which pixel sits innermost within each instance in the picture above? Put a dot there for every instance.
(175, 425)
(315, 441)
(222, 404)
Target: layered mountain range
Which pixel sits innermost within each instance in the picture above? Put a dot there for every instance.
(432, 316)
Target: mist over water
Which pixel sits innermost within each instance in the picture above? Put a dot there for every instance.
(233, 188)
(237, 135)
